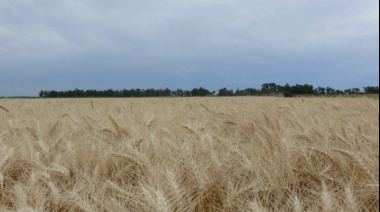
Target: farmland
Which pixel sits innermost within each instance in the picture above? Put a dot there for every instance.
(189, 154)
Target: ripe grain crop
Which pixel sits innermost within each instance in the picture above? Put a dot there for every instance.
(189, 154)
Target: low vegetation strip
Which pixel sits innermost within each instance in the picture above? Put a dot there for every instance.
(190, 154)
(267, 89)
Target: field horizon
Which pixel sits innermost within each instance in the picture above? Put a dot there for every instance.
(189, 154)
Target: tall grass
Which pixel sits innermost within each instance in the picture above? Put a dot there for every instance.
(190, 154)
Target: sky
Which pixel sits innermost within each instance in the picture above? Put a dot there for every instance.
(125, 44)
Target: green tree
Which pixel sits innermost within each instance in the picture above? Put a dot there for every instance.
(330, 90)
(371, 89)
(53, 94)
(267, 88)
(225, 92)
(320, 90)
(203, 92)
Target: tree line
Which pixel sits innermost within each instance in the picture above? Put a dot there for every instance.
(265, 90)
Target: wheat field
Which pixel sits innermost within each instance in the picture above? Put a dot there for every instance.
(189, 154)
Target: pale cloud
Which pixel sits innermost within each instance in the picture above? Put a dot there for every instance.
(175, 43)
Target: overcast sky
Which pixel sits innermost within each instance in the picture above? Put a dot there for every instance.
(117, 44)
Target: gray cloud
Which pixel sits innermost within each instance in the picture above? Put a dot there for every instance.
(241, 43)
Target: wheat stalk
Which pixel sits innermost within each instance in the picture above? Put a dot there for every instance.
(326, 198)
(200, 154)
(5, 109)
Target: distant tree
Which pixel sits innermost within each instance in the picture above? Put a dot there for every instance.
(204, 92)
(267, 88)
(195, 92)
(338, 92)
(330, 90)
(222, 92)
(279, 88)
(356, 90)
(287, 87)
(200, 92)
(124, 93)
(225, 92)
(53, 94)
(187, 93)
(150, 92)
(177, 92)
(117, 93)
(320, 90)
(78, 93)
(371, 89)
(139, 92)
(167, 92)
(252, 92)
(230, 92)
(287, 93)
(308, 89)
(109, 93)
(239, 92)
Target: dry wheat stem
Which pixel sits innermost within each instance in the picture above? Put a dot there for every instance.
(189, 154)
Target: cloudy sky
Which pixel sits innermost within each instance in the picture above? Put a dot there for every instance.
(93, 44)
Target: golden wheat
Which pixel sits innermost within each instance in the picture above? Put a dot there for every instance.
(189, 154)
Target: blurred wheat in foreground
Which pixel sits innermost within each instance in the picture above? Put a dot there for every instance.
(189, 154)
